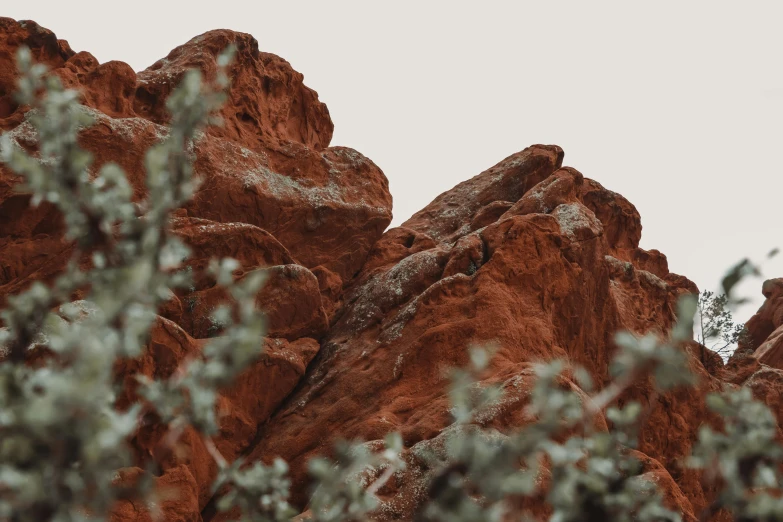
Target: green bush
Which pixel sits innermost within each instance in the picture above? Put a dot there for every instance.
(62, 437)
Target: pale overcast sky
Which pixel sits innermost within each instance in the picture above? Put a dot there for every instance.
(676, 105)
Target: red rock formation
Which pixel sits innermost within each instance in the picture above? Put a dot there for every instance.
(528, 256)
(758, 361)
(269, 165)
(274, 196)
(242, 408)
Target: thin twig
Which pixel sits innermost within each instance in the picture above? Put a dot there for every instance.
(212, 449)
(378, 484)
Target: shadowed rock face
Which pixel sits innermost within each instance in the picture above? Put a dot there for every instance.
(528, 256)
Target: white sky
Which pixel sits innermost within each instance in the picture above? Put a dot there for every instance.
(676, 105)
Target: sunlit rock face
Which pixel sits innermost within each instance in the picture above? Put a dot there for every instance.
(528, 256)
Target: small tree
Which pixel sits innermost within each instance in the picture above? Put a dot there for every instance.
(715, 326)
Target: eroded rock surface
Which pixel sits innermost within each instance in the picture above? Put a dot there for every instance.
(273, 195)
(529, 256)
(269, 165)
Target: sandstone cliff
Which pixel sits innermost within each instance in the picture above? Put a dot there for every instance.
(528, 255)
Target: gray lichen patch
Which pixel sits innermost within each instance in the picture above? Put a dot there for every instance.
(24, 134)
(577, 222)
(397, 371)
(392, 330)
(618, 267)
(652, 279)
(252, 170)
(390, 288)
(129, 129)
(628, 271)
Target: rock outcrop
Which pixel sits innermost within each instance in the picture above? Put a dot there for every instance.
(529, 256)
(758, 361)
(273, 195)
(269, 165)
